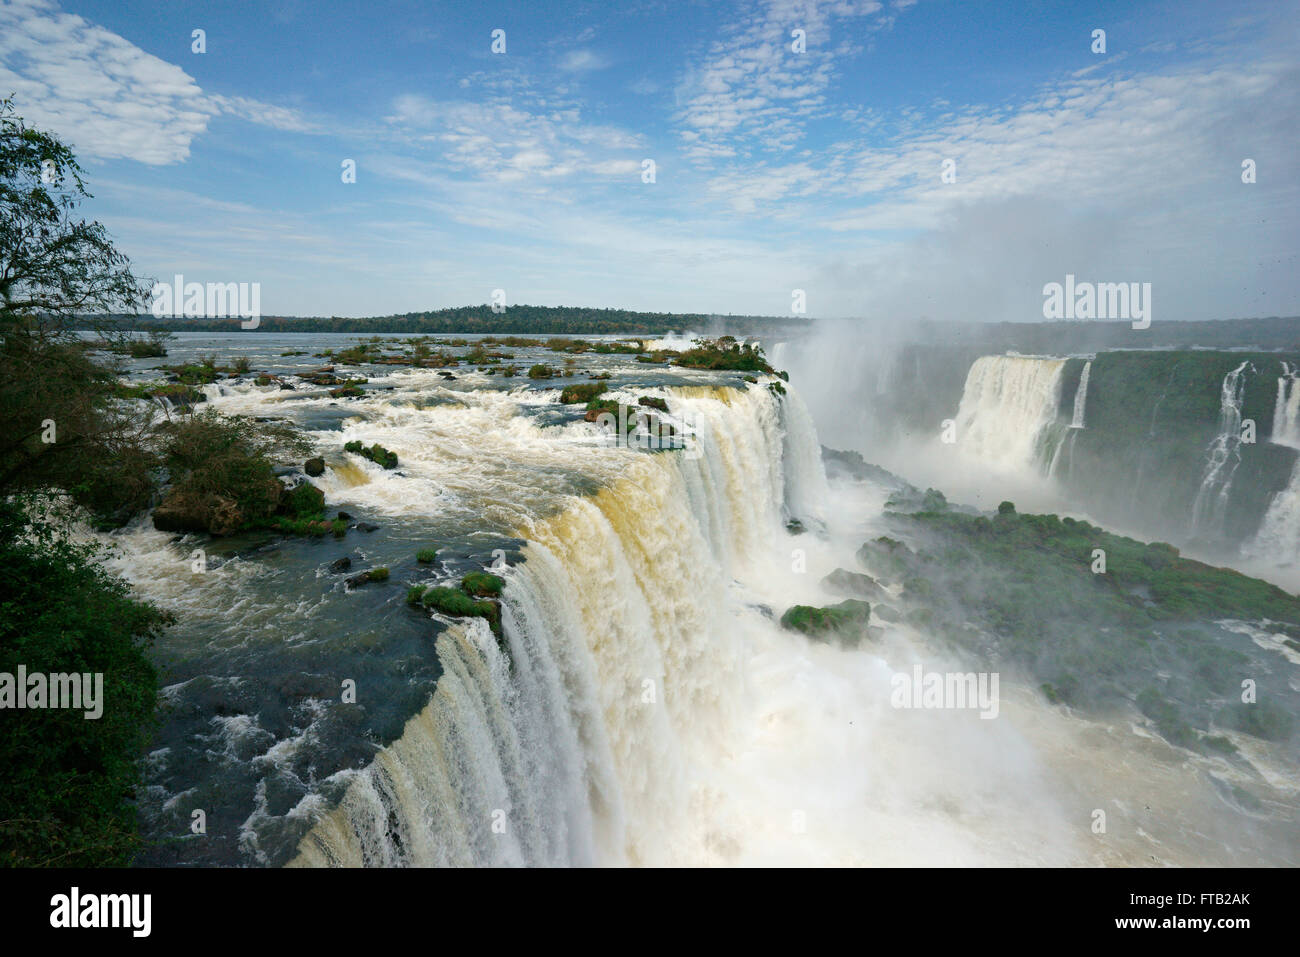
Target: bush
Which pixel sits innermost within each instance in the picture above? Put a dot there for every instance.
(222, 474)
(449, 601)
(426, 555)
(482, 584)
(66, 800)
(376, 453)
(581, 393)
(541, 371)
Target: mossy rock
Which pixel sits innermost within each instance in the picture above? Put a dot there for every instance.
(581, 393)
(482, 584)
(651, 402)
(847, 620)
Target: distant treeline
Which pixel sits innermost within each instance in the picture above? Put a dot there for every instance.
(1033, 338)
(516, 320)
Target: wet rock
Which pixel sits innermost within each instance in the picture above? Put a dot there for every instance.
(366, 527)
(853, 584)
(344, 517)
(172, 515)
(314, 467)
(371, 575)
(887, 613)
(340, 565)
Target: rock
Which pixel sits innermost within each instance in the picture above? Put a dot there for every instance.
(340, 565)
(794, 527)
(367, 527)
(854, 584)
(379, 574)
(175, 517)
(314, 467)
(847, 620)
(303, 500)
(888, 613)
(344, 517)
(224, 515)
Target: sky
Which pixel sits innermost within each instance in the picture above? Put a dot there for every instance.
(798, 147)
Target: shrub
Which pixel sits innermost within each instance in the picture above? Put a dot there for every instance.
(449, 601)
(482, 584)
(426, 555)
(581, 393)
(66, 800)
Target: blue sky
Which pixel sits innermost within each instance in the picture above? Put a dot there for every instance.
(775, 170)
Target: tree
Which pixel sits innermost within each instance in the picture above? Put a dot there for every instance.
(63, 427)
(53, 266)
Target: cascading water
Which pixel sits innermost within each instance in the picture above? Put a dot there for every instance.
(571, 743)
(1278, 538)
(1081, 397)
(1065, 448)
(1210, 506)
(1007, 408)
(1286, 411)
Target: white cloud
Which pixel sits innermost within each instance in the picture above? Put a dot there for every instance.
(499, 140)
(104, 95)
(753, 91)
(582, 61)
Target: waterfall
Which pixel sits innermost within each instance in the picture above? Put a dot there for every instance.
(1278, 538)
(1064, 454)
(1081, 397)
(1286, 411)
(1224, 455)
(1007, 408)
(571, 741)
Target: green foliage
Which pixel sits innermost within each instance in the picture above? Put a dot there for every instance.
(482, 584)
(450, 601)
(581, 393)
(426, 555)
(375, 453)
(69, 781)
(849, 617)
(652, 402)
(379, 574)
(1022, 590)
(222, 475)
(724, 353)
(541, 371)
